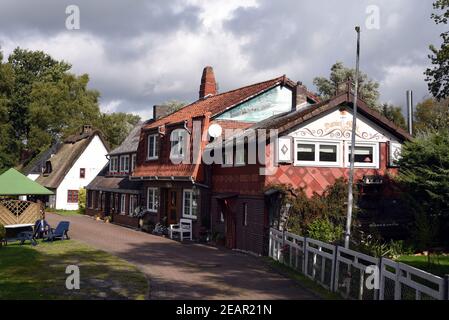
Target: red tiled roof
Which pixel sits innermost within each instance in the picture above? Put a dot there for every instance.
(233, 124)
(218, 103)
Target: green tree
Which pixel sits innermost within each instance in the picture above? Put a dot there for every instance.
(173, 105)
(424, 171)
(116, 126)
(337, 82)
(394, 114)
(438, 75)
(432, 115)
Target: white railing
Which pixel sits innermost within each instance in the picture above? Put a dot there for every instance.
(409, 283)
(345, 271)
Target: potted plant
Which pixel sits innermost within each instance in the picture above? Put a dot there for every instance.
(107, 219)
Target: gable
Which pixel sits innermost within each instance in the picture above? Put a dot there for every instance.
(272, 102)
(337, 125)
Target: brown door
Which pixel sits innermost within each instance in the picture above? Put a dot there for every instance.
(230, 229)
(172, 206)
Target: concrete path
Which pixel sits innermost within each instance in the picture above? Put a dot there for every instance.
(185, 271)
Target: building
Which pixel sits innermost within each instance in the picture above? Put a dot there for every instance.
(312, 148)
(111, 193)
(177, 184)
(69, 166)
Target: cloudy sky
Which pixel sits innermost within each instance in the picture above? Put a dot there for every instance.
(141, 53)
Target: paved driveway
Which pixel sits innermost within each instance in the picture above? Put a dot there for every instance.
(185, 271)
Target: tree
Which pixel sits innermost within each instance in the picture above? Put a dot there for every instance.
(116, 126)
(438, 75)
(394, 114)
(337, 82)
(424, 171)
(432, 114)
(173, 105)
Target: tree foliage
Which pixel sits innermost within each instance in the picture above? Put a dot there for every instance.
(432, 115)
(438, 75)
(337, 82)
(41, 102)
(394, 114)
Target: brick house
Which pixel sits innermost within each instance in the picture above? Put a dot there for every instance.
(312, 149)
(174, 189)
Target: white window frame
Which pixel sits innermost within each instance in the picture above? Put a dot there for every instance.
(133, 162)
(113, 164)
(155, 198)
(125, 167)
(132, 206)
(178, 146)
(154, 150)
(190, 192)
(123, 203)
(317, 162)
(374, 164)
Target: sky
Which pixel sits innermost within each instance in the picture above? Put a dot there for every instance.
(142, 53)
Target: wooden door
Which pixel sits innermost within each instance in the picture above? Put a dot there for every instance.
(172, 206)
(230, 229)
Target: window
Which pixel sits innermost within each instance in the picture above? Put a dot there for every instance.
(124, 163)
(48, 167)
(178, 143)
(123, 204)
(245, 214)
(113, 165)
(152, 147)
(89, 199)
(365, 155)
(317, 153)
(132, 204)
(72, 196)
(133, 162)
(240, 155)
(82, 173)
(152, 199)
(190, 203)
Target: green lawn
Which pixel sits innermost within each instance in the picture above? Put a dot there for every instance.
(38, 272)
(64, 212)
(439, 266)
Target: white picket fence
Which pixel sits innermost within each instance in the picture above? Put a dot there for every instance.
(352, 274)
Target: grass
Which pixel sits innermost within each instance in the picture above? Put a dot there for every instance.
(38, 272)
(64, 212)
(307, 283)
(440, 265)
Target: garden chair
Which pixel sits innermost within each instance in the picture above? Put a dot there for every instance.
(60, 232)
(183, 227)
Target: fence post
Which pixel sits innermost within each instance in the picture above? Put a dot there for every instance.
(397, 283)
(446, 287)
(334, 268)
(379, 285)
(306, 256)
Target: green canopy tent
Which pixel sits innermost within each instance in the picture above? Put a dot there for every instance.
(18, 212)
(13, 183)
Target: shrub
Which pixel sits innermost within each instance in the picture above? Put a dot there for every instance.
(82, 201)
(324, 230)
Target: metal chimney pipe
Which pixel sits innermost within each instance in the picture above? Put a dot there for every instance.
(409, 95)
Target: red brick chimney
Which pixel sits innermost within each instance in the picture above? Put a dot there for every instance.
(208, 84)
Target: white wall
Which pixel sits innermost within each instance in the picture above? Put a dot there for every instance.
(93, 160)
(33, 176)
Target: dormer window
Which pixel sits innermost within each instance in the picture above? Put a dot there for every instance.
(152, 147)
(133, 162)
(113, 165)
(124, 163)
(48, 168)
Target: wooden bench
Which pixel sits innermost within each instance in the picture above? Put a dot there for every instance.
(183, 227)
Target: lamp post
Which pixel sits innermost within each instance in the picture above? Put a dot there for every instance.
(351, 167)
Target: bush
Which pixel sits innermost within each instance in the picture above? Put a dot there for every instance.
(82, 201)
(324, 230)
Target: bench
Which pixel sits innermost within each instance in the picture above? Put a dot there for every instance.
(183, 227)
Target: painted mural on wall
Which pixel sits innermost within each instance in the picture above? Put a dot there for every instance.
(337, 125)
(275, 101)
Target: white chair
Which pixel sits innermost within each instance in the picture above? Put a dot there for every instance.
(183, 227)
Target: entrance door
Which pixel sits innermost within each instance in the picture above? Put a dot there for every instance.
(172, 206)
(230, 229)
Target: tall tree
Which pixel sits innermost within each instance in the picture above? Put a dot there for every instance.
(394, 114)
(337, 82)
(432, 114)
(438, 75)
(116, 126)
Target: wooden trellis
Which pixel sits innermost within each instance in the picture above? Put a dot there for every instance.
(19, 212)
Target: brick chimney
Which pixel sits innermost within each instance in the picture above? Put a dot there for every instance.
(87, 129)
(299, 96)
(208, 85)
